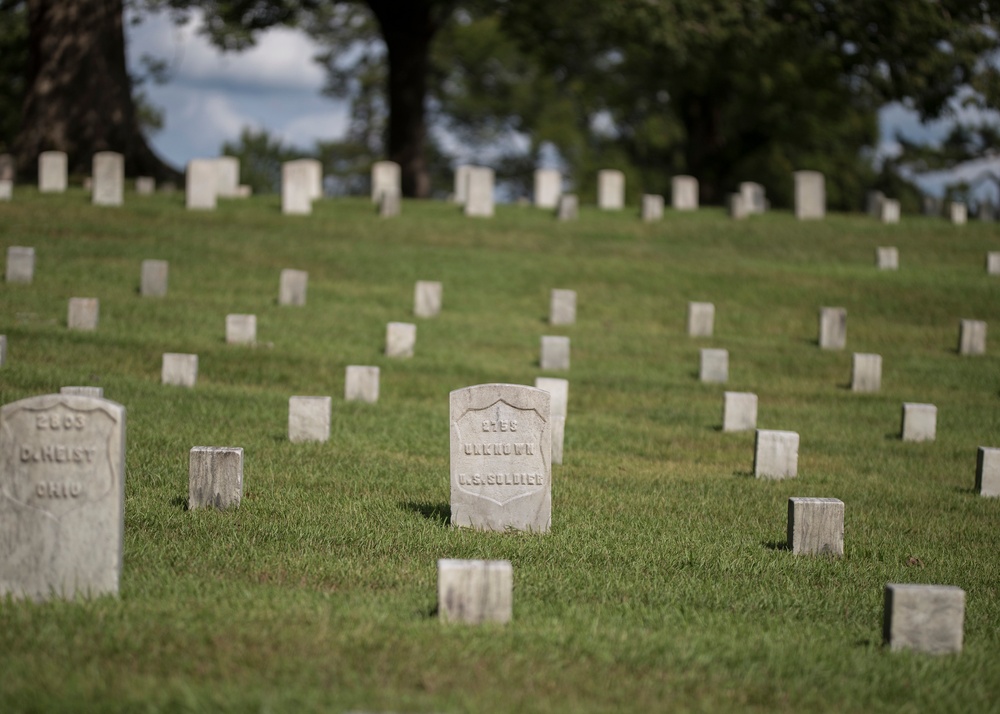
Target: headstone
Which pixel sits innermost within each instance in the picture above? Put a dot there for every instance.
(385, 180)
(7, 167)
(462, 184)
(241, 329)
(313, 169)
(309, 418)
(52, 172)
(684, 193)
(562, 307)
(988, 471)
(83, 313)
(568, 208)
(475, 591)
(479, 192)
(201, 184)
(931, 206)
(296, 188)
(959, 213)
(145, 185)
(20, 264)
(400, 339)
(3, 350)
(6, 189)
(737, 206)
(776, 454)
(972, 337)
(179, 370)
(701, 319)
(427, 298)
(94, 392)
(215, 477)
(500, 458)
(554, 352)
(810, 195)
(866, 372)
(816, 526)
(389, 204)
(714, 366)
(558, 390)
(987, 212)
(754, 197)
(62, 497)
(832, 328)
(739, 411)
(923, 618)
(109, 178)
(993, 263)
(361, 384)
(873, 203)
(292, 286)
(919, 422)
(890, 211)
(887, 258)
(243, 191)
(227, 176)
(652, 208)
(548, 187)
(153, 278)
(610, 190)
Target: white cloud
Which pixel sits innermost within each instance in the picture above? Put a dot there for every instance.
(304, 131)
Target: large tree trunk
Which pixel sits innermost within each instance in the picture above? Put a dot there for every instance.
(79, 95)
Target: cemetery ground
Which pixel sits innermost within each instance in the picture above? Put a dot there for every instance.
(665, 582)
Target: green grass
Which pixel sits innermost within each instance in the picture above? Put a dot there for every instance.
(663, 585)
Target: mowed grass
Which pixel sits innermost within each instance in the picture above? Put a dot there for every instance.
(663, 585)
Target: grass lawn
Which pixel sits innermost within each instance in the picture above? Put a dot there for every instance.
(664, 584)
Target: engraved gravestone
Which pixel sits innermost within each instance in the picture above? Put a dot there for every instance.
(292, 287)
(227, 176)
(200, 185)
(179, 370)
(361, 383)
(153, 278)
(610, 189)
(971, 337)
(475, 591)
(988, 471)
(568, 208)
(701, 319)
(62, 460)
(500, 458)
(554, 352)
(427, 298)
(562, 307)
(145, 185)
(776, 454)
(548, 186)
(559, 391)
(20, 264)
(479, 192)
(215, 477)
(753, 196)
(241, 329)
(652, 208)
(810, 195)
(109, 178)
(832, 328)
(400, 339)
(736, 206)
(816, 526)
(887, 258)
(52, 172)
(309, 418)
(684, 193)
(923, 618)
(296, 192)
(890, 211)
(739, 411)
(919, 422)
(385, 180)
(83, 313)
(714, 366)
(866, 372)
(959, 213)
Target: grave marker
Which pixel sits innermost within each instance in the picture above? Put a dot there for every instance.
(776, 454)
(701, 319)
(361, 384)
(832, 328)
(83, 313)
(6, 190)
(737, 206)
(296, 188)
(94, 392)
(389, 205)
(108, 168)
(684, 193)
(610, 190)
(887, 258)
(959, 213)
(972, 337)
(153, 278)
(227, 176)
(309, 419)
(919, 422)
(475, 591)
(873, 203)
(562, 307)
(568, 208)
(923, 618)
(889, 212)
(810, 195)
(993, 263)
(3, 350)
(201, 185)
(816, 526)
(462, 184)
(427, 298)
(20, 264)
(548, 187)
(179, 370)
(292, 285)
(931, 206)
(145, 185)
(739, 411)
(479, 192)
(554, 352)
(753, 196)
(215, 477)
(988, 471)
(558, 390)
(714, 366)
(652, 208)
(241, 329)
(385, 180)
(400, 339)
(52, 172)
(866, 372)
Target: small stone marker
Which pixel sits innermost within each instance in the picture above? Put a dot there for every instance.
(109, 178)
(832, 328)
(739, 411)
(887, 258)
(501, 458)
(931, 206)
(462, 184)
(548, 187)
(714, 366)
(610, 190)
(558, 390)
(652, 208)
(873, 203)
(153, 278)
(972, 337)
(924, 618)
(62, 495)
(568, 208)
(475, 591)
(993, 263)
(816, 526)
(83, 313)
(296, 188)
(919, 422)
(988, 471)
(810, 195)
(889, 212)
(20, 264)
(3, 350)
(736, 206)
(866, 372)
(684, 193)
(562, 307)
(145, 185)
(389, 204)
(179, 370)
(754, 197)
(6, 189)
(201, 185)
(479, 192)
(292, 285)
(427, 298)
(227, 176)
(314, 172)
(385, 180)
(554, 352)
(361, 384)
(215, 477)
(94, 392)
(776, 454)
(241, 329)
(52, 172)
(400, 339)
(701, 319)
(309, 418)
(959, 213)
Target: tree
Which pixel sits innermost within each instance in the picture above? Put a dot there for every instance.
(13, 69)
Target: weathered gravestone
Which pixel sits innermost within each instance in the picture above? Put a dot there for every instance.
(462, 184)
(816, 526)
(923, 618)
(83, 313)
(153, 278)
(714, 366)
(309, 418)
(241, 329)
(427, 298)
(684, 193)
(62, 495)
(145, 185)
(919, 422)
(776, 454)
(215, 477)
(227, 176)
(548, 187)
(400, 339)
(988, 471)
(6, 189)
(296, 188)
(993, 263)
(810, 195)
(3, 350)
(385, 179)
(890, 211)
(52, 172)
(866, 372)
(292, 285)
(201, 185)
(701, 319)
(610, 190)
(558, 390)
(959, 213)
(20, 264)
(873, 203)
(554, 352)
(562, 307)
(972, 337)
(475, 591)
(95, 392)
(501, 473)
(754, 197)
(361, 384)
(479, 192)
(109, 178)
(887, 258)
(568, 208)
(736, 206)
(739, 411)
(179, 370)
(832, 328)
(652, 208)
(313, 170)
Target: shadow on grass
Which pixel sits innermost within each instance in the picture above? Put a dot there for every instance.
(440, 512)
(966, 490)
(893, 436)
(775, 545)
(743, 474)
(180, 502)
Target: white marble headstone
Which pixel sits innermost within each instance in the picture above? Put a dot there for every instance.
(109, 178)
(548, 187)
(610, 190)
(810, 195)
(52, 172)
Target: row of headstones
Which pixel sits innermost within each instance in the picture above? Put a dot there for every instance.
(887, 210)
(107, 184)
